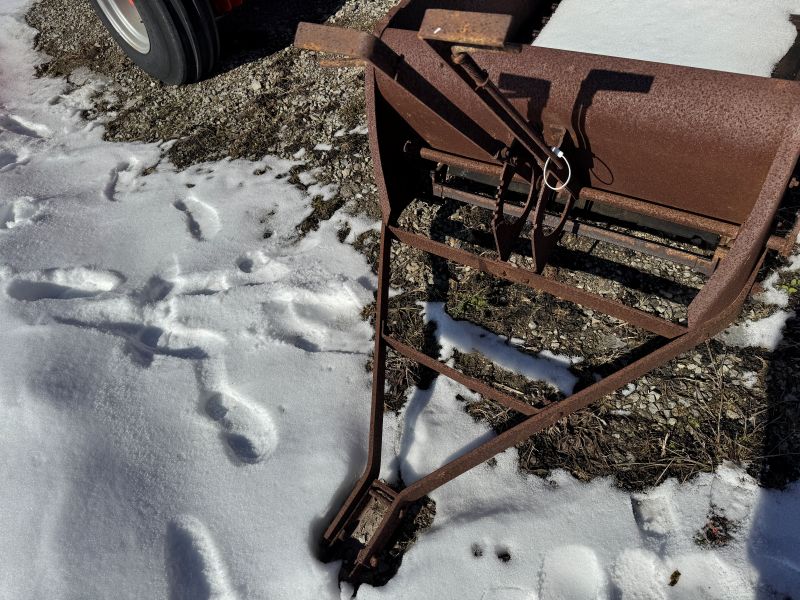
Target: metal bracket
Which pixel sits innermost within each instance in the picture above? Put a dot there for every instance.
(487, 30)
(543, 243)
(348, 42)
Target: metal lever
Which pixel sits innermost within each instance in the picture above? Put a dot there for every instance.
(349, 42)
(525, 135)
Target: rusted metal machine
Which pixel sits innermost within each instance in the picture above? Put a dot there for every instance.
(542, 136)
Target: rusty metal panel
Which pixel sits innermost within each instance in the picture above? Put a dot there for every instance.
(691, 139)
(410, 14)
(468, 28)
(751, 242)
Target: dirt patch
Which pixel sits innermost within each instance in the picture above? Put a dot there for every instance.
(718, 530)
(266, 98)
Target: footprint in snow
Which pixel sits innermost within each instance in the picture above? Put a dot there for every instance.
(572, 573)
(508, 593)
(639, 575)
(259, 264)
(15, 213)
(248, 430)
(202, 220)
(110, 189)
(9, 160)
(21, 126)
(195, 569)
(250, 262)
(654, 514)
(63, 284)
(201, 284)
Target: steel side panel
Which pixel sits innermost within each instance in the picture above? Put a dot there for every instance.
(691, 139)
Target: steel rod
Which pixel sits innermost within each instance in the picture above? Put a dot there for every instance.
(525, 277)
(471, 383)
(525, 134)
(694, 261)
(590, 194)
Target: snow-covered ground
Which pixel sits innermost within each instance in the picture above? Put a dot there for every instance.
(181, 399)
(742, 36)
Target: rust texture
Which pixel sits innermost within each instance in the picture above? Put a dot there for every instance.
(475, 29)
(704, 150)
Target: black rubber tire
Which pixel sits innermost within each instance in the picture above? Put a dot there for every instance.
(184, 42)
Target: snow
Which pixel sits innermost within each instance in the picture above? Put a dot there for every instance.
(773, 295)
(183, 403)
(466, 337)
(776, 296)
(711, 34)
(571, 540)
(764, 333)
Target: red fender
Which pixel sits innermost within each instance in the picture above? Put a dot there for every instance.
(223, 6)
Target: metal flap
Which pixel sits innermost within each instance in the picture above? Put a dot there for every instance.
(486, 30)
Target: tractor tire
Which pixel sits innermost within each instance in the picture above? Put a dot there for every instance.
(175, 41)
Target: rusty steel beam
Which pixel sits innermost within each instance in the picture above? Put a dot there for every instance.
(350, 43)
(372, 469)
(664, 213)
(588, 194)
(694, 261)
(490, 30)
(469, 164)
(468, 382)
(509, 272)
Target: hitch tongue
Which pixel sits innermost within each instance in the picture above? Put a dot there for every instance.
(360, 537)
(378, 502)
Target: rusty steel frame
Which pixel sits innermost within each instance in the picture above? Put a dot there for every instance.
(782, 244)
(432, 95)
(696, 262)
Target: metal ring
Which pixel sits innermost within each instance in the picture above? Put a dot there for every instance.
(127, 22)
(559, 154)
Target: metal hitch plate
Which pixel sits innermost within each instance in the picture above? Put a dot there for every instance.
(376, 505)
(466, 28)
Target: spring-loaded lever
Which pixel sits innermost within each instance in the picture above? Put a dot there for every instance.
(499, 105)
(506, 233)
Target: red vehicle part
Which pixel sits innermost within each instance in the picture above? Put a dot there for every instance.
(455, 95)
(223, 6)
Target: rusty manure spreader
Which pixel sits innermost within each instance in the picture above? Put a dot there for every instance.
(462, 107)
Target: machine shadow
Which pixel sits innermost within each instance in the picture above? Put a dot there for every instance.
(599, 80)
(260, 28)
(776, 523)
(535, 91)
